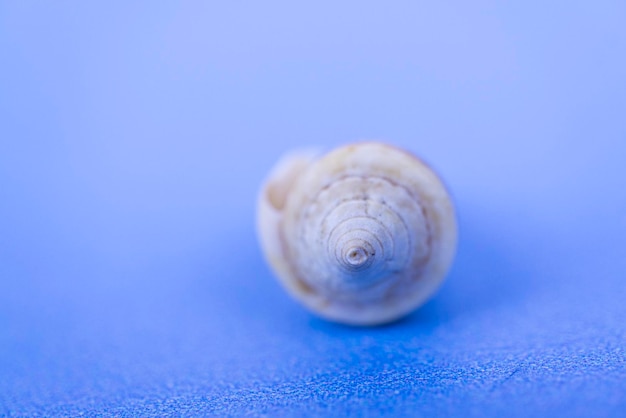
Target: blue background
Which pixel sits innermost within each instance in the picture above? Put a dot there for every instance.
(134, 137)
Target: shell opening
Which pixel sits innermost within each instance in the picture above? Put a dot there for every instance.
(277, 193)
(281, 182)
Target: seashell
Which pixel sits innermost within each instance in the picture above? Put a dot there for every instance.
(362, 235)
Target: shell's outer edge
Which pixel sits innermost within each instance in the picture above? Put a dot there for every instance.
(269, 216)
(314, 173)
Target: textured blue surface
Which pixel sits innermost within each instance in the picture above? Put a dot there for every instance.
(133, 138)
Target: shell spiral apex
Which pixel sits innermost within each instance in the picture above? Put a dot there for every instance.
(362, 235)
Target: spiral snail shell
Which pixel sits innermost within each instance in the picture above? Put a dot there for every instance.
(362, 235)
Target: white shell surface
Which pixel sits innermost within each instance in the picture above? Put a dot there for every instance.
(362, 235)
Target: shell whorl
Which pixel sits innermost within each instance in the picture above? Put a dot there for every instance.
(350, 245)
(366, 234)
